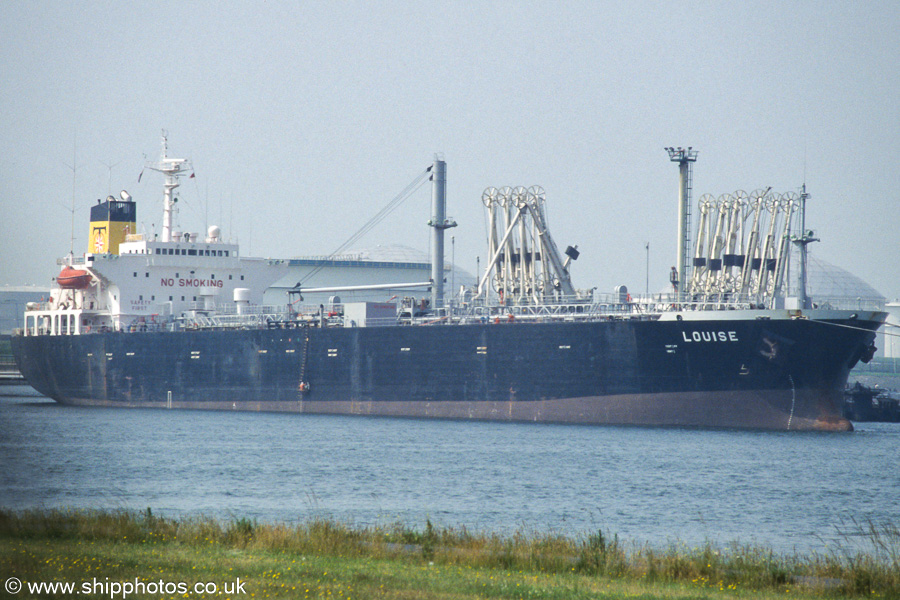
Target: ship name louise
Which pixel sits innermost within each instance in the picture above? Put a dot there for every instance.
(710, 336)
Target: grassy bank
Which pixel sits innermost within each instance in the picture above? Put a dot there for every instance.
(325, 559)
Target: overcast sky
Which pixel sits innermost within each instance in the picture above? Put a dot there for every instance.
(304, 119)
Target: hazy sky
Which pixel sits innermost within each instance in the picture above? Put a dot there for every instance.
(303, 119)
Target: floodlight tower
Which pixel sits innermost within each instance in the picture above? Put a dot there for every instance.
(684, 158)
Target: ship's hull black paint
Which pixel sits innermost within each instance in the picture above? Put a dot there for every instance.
(779, 374)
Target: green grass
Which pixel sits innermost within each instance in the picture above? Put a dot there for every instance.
(326, 559)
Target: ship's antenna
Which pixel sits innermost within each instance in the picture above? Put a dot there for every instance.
(74, 168)
(647, 247)
(452, 267)
(109, 178)
(804, 165)
(74, 171)
(206, 208)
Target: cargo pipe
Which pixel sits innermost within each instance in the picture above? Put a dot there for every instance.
(438, 223)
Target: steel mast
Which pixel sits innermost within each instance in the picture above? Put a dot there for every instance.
(684, 158)
(806, 237)
(172, 168)
(439, 222)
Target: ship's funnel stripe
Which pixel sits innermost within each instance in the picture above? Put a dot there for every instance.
(116, 211)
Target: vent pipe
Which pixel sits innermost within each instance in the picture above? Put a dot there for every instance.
(438, 223)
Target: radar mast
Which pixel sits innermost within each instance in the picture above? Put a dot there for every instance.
(172, 168)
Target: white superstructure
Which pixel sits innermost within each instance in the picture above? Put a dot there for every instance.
(128, 281)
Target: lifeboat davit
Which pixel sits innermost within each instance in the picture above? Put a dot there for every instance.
(73, 279)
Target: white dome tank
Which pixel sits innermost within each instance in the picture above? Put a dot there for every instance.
(241, 299)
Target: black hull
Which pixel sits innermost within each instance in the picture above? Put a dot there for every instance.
(743, 373)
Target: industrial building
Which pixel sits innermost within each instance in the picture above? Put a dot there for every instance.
(377, 269)
(12, 304)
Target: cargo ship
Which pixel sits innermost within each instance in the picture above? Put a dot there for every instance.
(140, 321)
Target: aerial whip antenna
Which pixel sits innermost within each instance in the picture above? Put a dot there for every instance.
(74, 168)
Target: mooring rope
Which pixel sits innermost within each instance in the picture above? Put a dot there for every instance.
(857, 328)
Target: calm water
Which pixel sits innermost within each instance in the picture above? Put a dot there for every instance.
(789, 491)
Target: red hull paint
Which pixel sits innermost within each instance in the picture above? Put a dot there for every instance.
(753, 410)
